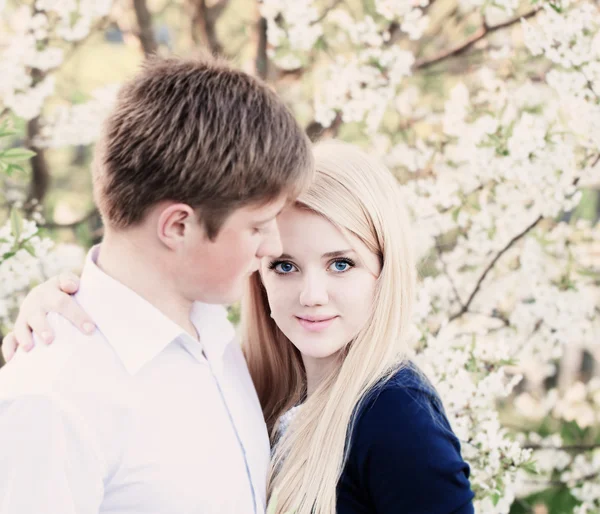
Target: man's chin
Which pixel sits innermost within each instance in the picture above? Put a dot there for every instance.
(229, 297)
(225, 296)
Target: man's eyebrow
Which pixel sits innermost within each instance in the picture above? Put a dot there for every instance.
(270, 218)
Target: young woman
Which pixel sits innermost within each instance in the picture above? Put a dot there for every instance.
(355, 427)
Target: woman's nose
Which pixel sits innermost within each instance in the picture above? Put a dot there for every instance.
(314, 291)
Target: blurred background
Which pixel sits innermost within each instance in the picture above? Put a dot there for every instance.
(488, 114)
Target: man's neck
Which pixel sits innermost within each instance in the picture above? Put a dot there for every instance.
(128, 260)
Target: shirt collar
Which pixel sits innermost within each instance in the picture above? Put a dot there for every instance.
(137, 330)
(215, 331)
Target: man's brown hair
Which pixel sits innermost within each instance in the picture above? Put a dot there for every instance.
(201, 133)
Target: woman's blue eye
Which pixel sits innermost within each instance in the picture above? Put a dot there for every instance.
(339, 266)
(284, 267)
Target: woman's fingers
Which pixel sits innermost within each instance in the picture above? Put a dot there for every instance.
(9, 346)
(49, 297)
(68, 308)
(38, 323)
(23, 335)
(68, 282)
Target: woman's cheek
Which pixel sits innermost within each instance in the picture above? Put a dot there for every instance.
(278, 301)
(358, 298)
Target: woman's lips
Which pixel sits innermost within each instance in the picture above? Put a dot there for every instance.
(316, 325)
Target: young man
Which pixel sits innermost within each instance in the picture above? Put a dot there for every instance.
(156, 412)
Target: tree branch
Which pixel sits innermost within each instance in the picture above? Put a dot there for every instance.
(315, 131)
(446, 209)
(595, 161)
(204, 20)
(569, 447)
(495, 314)
(217, 9)
(394, 28)
(262, 60)
(433, 31)
(480, 34)
(491, 265)
(452, 284)
(146, 31)
(40, 173)
(263, 67)
(559, 483)
(327, 10)
(2, 362)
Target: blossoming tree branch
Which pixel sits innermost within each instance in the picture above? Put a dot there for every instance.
(489, 112)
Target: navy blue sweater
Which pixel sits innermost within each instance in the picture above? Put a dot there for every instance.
(404, 457)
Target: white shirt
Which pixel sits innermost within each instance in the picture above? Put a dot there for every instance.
(138, 418)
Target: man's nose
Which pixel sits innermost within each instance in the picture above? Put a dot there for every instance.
(271, 246)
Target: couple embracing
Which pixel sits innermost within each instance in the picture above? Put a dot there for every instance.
(137, 397)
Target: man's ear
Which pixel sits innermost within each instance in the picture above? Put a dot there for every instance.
(174, 221)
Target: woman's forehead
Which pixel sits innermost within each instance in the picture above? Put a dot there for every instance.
(303, 227)
(305, 233)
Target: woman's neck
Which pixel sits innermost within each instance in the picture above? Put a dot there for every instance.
(318, 369)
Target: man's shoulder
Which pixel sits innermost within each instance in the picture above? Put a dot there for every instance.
(71, 362)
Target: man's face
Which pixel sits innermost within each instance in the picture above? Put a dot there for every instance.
(216, 271)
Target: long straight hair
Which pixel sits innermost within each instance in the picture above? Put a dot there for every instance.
(359, 195)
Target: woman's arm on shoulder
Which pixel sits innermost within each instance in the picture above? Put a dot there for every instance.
(50, 296)
(408, 457)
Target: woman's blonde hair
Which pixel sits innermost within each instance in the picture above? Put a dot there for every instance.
(358, 195)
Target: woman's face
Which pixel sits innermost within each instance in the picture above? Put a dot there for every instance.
(321, 289)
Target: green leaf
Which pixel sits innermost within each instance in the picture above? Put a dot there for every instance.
(16, 223)
(233, 314)
(471, 365)
(28, 247)
(17, 154)
(369, 7)
(520, 506)
(530, 467)
(11, 168)
(507, 362)
(572, 433)
(556, 7)
(495, 498)
(558, 500)
(5, 131)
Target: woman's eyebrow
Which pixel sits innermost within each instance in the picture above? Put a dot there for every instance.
(328, 255)
(337, 253)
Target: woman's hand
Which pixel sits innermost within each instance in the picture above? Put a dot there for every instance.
(50, 296)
